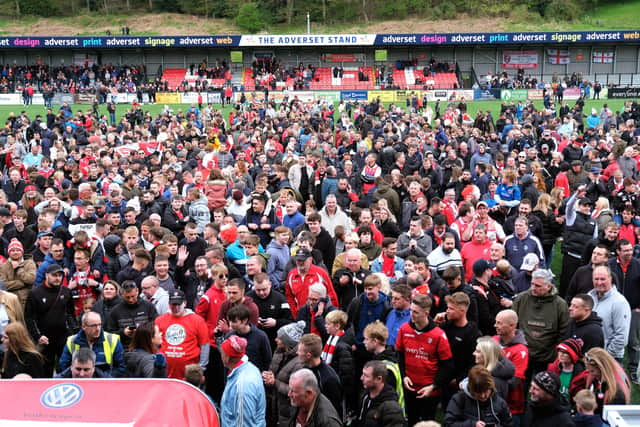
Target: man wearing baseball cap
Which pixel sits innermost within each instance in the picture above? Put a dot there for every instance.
(185, 336)
(243, 401)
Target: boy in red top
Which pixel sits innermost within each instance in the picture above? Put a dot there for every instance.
(425, 360)
(185, 337)
(515, 349)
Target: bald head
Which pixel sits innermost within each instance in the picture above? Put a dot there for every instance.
(506, 324)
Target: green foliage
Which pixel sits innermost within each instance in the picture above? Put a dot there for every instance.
(37, 8)
(566, 10)
(392, 10)
(444, 10)
(252, 18)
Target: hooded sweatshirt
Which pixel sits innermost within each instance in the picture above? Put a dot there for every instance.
(464, 410)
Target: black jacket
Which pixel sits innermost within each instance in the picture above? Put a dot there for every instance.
(104, 307)
(463, 343)
(557, 412)
(627, 282)
(29, 363)
(550, 227)
(276, 307)
(49, 311)
(330, 384)
(589, 331)
(304, 313)
(464, 410)
(124, 315)
(258, 348)
(381, 411)
(192, 286)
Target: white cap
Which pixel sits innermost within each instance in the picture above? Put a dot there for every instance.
(530, 262)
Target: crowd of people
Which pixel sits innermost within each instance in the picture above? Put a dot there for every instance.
(309, 267)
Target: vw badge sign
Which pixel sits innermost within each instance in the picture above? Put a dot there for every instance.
(61, 396)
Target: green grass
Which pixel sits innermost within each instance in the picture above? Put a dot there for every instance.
(607, 16)
(473, 107)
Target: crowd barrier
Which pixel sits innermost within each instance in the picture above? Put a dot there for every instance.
(386, 96)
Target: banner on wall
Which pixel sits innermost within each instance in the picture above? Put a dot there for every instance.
(353, 95)
(168, 98)
(192, 97)
(535, 94)
(84, 98)
(572, 93)
(214, 98)
(624, 92)
(486, 94)
(514, 94)
(558, 56)
(458, 94)
(519, 59)
(62, 98)
(328, 95)
(384, 95)
(10, 99)
(437, 95)
(602, 57)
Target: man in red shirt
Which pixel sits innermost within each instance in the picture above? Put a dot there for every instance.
(515, 349)
(185, 338)
(477, 248)
(425, 361)
(304, 275)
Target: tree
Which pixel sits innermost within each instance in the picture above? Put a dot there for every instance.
(252, 18)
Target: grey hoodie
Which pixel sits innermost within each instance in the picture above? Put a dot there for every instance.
(199, 213)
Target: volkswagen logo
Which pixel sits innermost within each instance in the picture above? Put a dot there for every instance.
(61, 396)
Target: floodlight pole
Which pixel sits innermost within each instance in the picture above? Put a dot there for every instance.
(308, 23)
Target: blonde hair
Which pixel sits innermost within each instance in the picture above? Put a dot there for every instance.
(491, 352)
(544, 201)
(557, 194)
(611, 373)
(586, 400)
(337, 317)
(602, 203)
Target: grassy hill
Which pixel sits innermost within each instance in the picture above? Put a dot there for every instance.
(613, 15)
